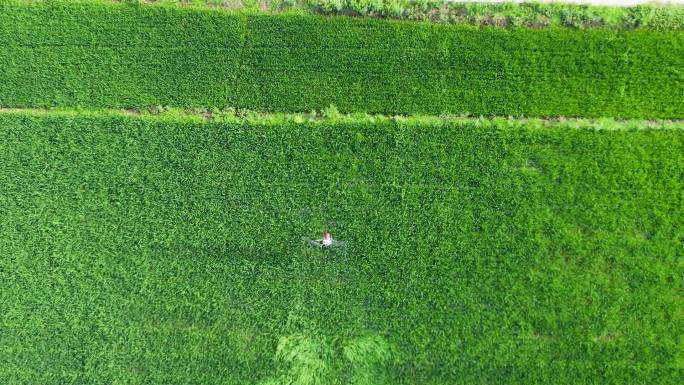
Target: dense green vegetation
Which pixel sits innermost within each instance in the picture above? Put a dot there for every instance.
(162, 238)
(531, 14)
(122, 55)
(168, 250)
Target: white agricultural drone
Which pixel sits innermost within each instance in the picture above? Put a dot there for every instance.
(326, 242)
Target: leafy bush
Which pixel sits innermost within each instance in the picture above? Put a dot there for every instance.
(366, 6)
(664, 18)
(393, 9)
(331, 5)
(331, 112)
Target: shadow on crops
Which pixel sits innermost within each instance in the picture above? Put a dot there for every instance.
(221, 252)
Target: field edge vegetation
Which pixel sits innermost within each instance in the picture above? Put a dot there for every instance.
(507, 15)
(332, 115)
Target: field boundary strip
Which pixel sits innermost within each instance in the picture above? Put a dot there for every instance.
(498, 14)
(324, 117)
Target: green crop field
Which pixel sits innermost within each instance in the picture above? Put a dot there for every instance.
(169, 250)
(506, 182)
(122, 55)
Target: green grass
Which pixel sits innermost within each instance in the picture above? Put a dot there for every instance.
(168, 250)
(122, 55)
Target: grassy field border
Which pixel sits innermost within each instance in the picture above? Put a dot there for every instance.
(506, 15)
(331, 115)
